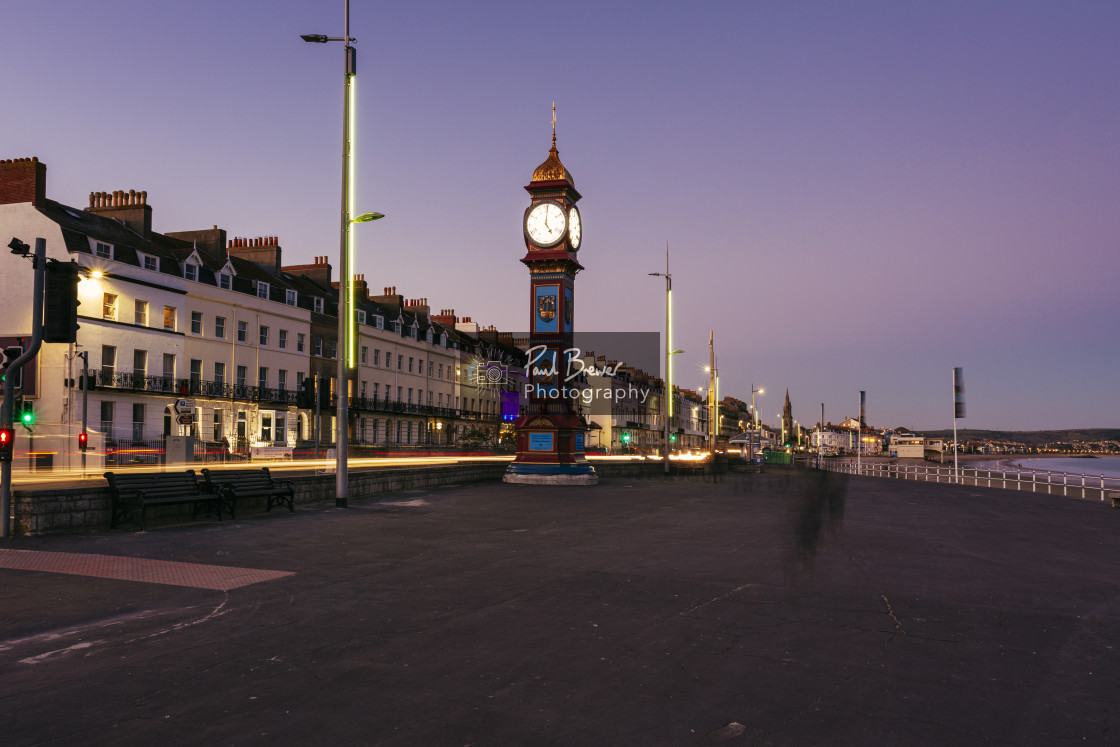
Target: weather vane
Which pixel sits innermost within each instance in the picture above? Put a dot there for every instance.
(553, 124)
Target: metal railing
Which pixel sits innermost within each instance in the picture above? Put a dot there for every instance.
(133, 382)
(1092, 487)
(128, 381)
(125, 451)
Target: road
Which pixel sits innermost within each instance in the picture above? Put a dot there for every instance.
(785, 608)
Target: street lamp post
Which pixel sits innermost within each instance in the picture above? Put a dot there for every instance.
(667, 408)
(713, 384)
(754, 412)
(346, 328)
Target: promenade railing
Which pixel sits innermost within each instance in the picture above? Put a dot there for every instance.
(1088, 486)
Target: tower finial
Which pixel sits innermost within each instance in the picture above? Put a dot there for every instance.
(553, 124)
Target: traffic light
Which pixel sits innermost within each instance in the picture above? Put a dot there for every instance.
(7, 443)
(307, 393)
(60, 302)
(27, 415)
(626, 438)
(10, 354)
(672, 437)
(83, 441)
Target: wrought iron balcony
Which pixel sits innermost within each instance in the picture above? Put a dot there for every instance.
(129, 381)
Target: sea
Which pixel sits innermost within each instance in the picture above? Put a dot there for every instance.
(1095, 466)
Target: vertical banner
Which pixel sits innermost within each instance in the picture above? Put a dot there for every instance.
(544, 314)
(958, 394)
(569, 311)
(862, 408)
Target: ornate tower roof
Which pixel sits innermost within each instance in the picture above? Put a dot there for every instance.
(552, 169)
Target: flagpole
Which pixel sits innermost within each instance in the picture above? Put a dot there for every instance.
(956, 469)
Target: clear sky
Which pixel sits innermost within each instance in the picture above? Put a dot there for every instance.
(856, 195)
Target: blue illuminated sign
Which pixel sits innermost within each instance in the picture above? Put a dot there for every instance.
(540, 442)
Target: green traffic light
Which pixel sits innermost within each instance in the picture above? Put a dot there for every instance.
(28, 417)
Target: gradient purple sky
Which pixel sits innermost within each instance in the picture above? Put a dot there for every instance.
(857, 195)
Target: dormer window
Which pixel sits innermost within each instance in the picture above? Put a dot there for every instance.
(397, 327)
(379, 322)
(224, 280)
(290, 297)
(413, 331)
(317, 305)
(443, 339)
(103, 251)
(361, 316)
(429, 337)
(262, 289)
(191, 271)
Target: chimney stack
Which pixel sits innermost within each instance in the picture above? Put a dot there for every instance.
(446, 317)
(262, 251)
(390, 298)
(23, 180)
(318, 273)
(130, 208)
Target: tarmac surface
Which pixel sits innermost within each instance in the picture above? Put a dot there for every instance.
(790, 607)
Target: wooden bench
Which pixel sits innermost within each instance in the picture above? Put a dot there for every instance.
(233, 484)
(133, 492)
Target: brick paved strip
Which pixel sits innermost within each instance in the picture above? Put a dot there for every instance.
(194, 575)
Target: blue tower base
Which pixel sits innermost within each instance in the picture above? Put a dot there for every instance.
(528, 473)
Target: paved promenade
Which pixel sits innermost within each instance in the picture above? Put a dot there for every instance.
(789, 608)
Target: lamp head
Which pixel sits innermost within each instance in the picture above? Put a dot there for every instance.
(314, 38)
(18, 247)
(367, 217)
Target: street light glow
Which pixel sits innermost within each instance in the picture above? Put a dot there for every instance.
(352, 313)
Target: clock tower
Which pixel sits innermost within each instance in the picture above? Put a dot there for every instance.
(550, 435)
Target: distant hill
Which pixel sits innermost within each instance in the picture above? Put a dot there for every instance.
(1030, 438)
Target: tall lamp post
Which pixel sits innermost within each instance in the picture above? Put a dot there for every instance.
(346, 327)
(667, 408)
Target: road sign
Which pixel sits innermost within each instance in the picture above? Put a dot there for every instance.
(185, 407)
(186, 420)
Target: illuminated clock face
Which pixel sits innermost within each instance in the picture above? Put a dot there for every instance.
(545, 224)
(575, 229)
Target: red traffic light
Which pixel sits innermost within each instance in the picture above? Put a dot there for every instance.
(7, 443)
(83, 441)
